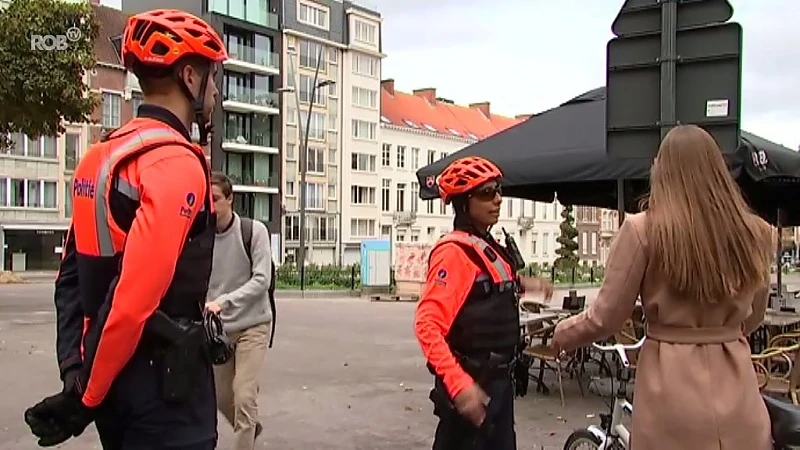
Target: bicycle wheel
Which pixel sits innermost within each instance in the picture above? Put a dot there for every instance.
(582, 439)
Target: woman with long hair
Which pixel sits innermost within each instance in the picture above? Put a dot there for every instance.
(700, 261)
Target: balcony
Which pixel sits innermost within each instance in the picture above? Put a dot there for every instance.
(246, 59)
(250, 140)
(241, 99)
(251, 173)
(405, 218)
(253, 11)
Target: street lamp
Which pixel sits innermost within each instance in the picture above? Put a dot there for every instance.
(304, 136)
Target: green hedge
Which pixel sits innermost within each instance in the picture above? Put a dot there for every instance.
(582, 274)
(328, 277)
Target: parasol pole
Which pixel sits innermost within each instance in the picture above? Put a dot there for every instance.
(779, 256)
(620, 201)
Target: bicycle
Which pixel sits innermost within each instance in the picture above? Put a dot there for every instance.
(612, 434)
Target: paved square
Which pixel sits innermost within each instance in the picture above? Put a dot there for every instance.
(344, 374)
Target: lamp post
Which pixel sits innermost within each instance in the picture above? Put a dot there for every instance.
(304, 136)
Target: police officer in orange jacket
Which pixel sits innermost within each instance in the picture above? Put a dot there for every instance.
(140, 248)
(467, 321)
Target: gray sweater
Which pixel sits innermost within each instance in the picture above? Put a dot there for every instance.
(241, 291)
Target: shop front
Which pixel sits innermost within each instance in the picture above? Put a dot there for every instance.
(28, 248)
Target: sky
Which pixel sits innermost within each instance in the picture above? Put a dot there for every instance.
(527, 56)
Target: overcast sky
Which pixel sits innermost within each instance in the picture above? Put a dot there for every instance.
(526, 56)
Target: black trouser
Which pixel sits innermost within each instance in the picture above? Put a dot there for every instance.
(456, 433)
(134, 417)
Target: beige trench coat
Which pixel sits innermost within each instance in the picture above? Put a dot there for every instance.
(695, 388)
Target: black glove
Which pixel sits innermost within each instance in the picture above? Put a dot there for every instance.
(61, 416)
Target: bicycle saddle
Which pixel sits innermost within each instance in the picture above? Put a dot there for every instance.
(785, 418)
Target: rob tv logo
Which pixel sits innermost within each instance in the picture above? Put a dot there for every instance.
(50, 42)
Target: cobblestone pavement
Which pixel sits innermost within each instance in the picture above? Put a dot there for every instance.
(344, 374)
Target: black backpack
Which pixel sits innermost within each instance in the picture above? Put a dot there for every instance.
(247, 236)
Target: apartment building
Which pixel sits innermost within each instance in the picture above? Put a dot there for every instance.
(246, 144)
(421, 128)
(609, 225)
(587, 222)
(35, 185)
(332, 60)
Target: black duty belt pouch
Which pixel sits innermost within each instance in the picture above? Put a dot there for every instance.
(179, 358)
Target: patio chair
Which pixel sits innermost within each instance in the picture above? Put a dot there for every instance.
(548, 359)
(778, 371)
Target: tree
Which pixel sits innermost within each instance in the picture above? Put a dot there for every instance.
(567, 259)
(46, 46)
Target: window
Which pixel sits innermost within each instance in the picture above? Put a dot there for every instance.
(534, 240)
(67, 197)
(365, 98)
(111, 110)
(386, 155)
(414, 158)
(311, 53)
(585, 242)
(314, 196)
(545, 244)
(365, 32)
(414, 196)
(315, 162)
(362, 227)
(365, 130)
(333, 57)
(72, 151)
(431, 156)
(386, 231)
(290, 148)
(429, 206)
(312, 15)
(316, 129)
(365, 65)
(386, 186)
(291, 229)
(289, 189)
(29, 193)
(510, 204)
(307, 86)
(331, 190)
(363, 162)
(322, 228)
(401, 197)
(136, 102)
(401, 156)
(362, 195)
(442, 208)
(594, 242)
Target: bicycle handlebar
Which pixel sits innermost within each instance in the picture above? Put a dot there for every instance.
(620, 349)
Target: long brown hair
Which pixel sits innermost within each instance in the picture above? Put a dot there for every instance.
(708, 243)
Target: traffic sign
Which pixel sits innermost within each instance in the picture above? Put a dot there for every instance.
(688, 71)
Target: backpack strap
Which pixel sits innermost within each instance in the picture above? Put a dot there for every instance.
(246, 224)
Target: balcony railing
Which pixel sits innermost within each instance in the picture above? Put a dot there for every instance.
(250, 136)
(248, 178)
(252, 97)
(254, 55)
(251, 12)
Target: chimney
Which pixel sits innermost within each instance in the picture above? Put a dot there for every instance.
(428, 94)
(523, 117)
(388, 85)
(482, 107)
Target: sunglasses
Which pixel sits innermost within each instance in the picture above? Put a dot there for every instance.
(488, 193)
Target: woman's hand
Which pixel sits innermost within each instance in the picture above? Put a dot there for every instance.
(533, 284)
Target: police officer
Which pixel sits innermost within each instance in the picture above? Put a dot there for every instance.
(140, 248)
(467, 321)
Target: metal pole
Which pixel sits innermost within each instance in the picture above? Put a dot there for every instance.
(669, 24)
(303, 168)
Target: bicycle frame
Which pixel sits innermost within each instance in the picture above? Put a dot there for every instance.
(612, 430)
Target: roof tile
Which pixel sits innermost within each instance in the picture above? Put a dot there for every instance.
(425, 111)
(112, 24)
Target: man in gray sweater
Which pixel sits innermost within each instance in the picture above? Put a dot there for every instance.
(238, 291)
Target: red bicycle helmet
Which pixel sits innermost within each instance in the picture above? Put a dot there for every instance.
(464, 175)
(162, 36)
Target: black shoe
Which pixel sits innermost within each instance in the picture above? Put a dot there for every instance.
(259, 429)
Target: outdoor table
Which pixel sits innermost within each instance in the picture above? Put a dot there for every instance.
(775, 323)
(527, 319)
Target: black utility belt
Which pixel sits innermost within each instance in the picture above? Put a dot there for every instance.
(489, 365)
